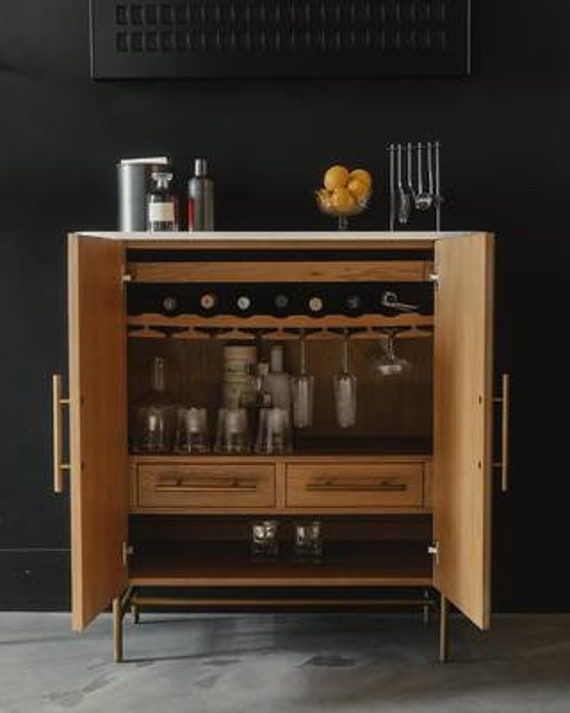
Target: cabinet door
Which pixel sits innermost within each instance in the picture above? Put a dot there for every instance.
(98, 433)
(463, 405)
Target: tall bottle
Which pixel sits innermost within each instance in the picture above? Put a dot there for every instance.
(161, 204)
(277, 382)
(200, 198)
(154, 419)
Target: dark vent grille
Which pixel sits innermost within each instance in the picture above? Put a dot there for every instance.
(213, 38)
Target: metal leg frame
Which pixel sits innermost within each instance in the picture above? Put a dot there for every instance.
(443, 630)
(132, 602)
(120, 606)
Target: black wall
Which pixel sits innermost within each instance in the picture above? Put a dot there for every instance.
(505, 169)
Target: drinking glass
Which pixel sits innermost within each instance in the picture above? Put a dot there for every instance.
(344, 385)
(388, 363)
(308, 541)
(264, 542)
(274, 431)
(152, 430)
(232, 433)
(192, 431)
(302, 391)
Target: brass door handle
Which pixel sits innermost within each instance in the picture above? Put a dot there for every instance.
(57, 402)
(331, 485)
(505, 401)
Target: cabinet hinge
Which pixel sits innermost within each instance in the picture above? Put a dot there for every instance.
(434, 277)
(127, 551)
(433, 550)
(127, 277)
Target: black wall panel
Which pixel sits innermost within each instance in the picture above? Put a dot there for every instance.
(268, 38)
(504, 166)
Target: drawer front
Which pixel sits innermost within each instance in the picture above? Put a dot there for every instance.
(192, 487)
(362, 485)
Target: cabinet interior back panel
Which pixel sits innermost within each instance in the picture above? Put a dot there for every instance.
(272, 38)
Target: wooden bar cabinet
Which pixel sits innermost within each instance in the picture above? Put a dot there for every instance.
(405, 496)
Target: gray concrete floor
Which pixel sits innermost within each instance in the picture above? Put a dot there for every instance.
(277, 663)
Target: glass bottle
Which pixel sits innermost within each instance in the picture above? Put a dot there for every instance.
(200, 198)
(155, 414)
(161, 204)
(277, 382)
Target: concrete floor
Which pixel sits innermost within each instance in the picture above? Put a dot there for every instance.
(277, 663)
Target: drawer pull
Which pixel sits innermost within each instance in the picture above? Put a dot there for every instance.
(182, 485)
(382, 486)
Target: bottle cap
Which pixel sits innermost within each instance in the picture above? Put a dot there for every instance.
(200, 167)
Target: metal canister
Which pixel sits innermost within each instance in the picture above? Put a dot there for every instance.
(134, 177)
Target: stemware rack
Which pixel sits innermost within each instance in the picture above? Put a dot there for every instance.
(260, 327)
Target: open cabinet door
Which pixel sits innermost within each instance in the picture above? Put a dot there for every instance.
(98, 431)
(463, 407)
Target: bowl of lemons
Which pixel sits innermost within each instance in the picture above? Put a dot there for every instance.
(345, 193)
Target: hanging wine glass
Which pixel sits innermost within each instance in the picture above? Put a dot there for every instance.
(388, 364)
(302, 390)
(344, 385)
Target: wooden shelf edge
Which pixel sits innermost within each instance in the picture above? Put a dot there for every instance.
(274, 460)
(273, 511)
(316, 582)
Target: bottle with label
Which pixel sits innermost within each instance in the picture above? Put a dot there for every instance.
(242, 303)
(277, 382)
(208, 303)
(353, 305)
(315, 304)
(170, 305)
(161, 204)
(281, 304)
(200, 198)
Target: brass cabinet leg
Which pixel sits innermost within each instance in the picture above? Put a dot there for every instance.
(425, 608)
(135, 613)
(443, 633)
(117, 630)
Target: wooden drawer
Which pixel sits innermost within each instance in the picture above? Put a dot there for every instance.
(357, 485)
(204, 487)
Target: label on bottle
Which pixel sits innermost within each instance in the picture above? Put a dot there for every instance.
(161, 212)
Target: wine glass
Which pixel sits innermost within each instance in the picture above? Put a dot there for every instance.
(344, 385)
(388, 364)
(302, 390)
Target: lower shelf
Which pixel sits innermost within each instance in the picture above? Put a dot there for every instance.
(228, 564)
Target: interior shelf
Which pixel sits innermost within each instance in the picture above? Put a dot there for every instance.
(317, 448)
(229, 564)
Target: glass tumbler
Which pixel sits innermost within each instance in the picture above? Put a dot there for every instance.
(232, 432)
(264, 542)
(152, 430)
(308, 544)
(192, 431)
(274, 431)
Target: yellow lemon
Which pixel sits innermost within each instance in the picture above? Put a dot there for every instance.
(336, 177)
(343, 199)
(359, 189)
(359, 174)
